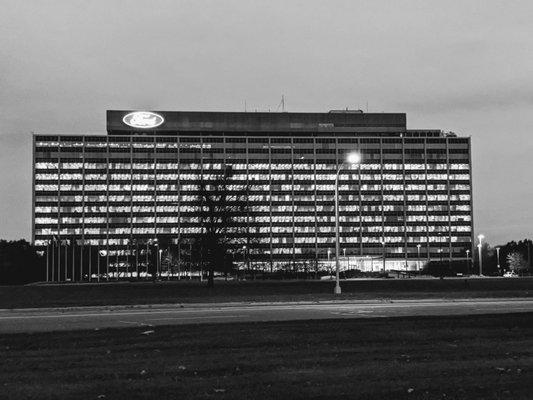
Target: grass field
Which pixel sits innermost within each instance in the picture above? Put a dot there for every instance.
(195, 292)
(472, 357)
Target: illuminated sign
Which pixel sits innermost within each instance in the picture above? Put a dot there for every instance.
(143, 119)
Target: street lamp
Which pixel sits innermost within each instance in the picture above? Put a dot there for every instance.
(351, 158)
(384, 252)
(418, 249)
(468, 261)
(480, 237)
(344, 256)
(159, 264)
(498, 258)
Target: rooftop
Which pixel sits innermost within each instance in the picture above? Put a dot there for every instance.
(167, 122)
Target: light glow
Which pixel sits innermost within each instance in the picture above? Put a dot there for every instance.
(353, 157)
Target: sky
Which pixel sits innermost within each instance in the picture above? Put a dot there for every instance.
(463, 66)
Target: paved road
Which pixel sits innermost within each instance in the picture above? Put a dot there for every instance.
(40, 320)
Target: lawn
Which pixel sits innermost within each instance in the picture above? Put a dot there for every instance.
(196, 292)
(469, 357)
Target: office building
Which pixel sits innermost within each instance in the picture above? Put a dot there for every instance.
(408, 201)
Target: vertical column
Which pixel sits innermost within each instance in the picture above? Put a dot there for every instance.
(339, 161)
(107, 207)
(472, 245)
(315, 161)
(178, 195)
(294, 264)
(59, 209)
(428, 244)
(154, 144)
(33, 195)
(83, 206)
(449, 203)
(247, 252)
(359, 194)
(406, 248)
(381, 171)
(270, 201)
(131, 211)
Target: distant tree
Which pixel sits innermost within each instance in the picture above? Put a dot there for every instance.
(20, 263)
(517, 263)
(223, 210)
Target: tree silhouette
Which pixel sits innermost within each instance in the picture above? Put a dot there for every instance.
(222, 206)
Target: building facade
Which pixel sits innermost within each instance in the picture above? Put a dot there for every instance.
(407, 202)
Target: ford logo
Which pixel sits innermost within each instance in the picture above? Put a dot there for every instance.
(143, 119)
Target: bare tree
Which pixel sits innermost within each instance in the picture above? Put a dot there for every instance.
(223, 212)
(517, 262)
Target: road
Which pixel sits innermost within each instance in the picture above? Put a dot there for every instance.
(42, 320)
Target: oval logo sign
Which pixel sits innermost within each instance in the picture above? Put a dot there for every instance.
(143, 119)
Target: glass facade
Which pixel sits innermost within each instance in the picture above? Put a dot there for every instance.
(408, 201)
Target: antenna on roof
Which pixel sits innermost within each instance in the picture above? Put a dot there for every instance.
(281, 104)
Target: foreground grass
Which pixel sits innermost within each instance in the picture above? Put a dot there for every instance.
(195, 292)
(472, 357)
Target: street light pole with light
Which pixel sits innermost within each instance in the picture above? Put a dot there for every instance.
(479, 246)
(352, 158)
(498, 258)
(384, 253)
(468, 261)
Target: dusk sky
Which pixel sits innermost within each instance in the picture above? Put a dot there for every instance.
(464, 66)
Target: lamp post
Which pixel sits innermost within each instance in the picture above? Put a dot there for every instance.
(383, 253)
(146, 258)
(66, 259)
(244, 261)
(137, 259)
(498, 258)
(329, 262)
(467, 261)
(47, 261)
(98, 262)
(479, 246)
(344, 256)
(59, 260)
(418, 261)
(159, 264)
(352, 158)
(53, 258)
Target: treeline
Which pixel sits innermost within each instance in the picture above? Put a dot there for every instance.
(20, 263)
(512, 257)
